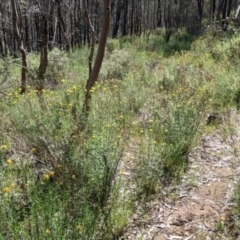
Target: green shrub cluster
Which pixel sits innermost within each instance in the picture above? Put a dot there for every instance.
(62, 181)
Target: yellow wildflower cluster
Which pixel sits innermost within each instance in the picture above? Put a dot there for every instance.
(4, 147)
(46, 176)
(10, 162)
(79, 227)
(33, 150)
(7, 189)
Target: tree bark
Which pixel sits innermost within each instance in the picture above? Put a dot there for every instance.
(117, 19)
(16, 19)
(99, 59)
(92, 44)
(101, 48)
(200, 10)
(43, 55)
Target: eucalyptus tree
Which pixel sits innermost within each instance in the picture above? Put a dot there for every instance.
(17, 26)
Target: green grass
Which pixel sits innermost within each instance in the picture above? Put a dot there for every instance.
(61, 183)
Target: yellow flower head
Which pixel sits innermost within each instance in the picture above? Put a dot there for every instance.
(73, 176)
(33, 150)
(78, 227)
(6, 190)
(4, 147)
(46, 177)
(10, 161)
(47, 231)
(51, 173)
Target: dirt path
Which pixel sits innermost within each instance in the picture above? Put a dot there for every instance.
(197, 206)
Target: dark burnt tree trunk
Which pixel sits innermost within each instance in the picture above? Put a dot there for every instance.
(159, 13)
(200, 4)
(117, 19)
(125, 19)
(212, 10)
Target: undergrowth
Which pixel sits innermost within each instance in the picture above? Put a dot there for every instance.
(58, 182)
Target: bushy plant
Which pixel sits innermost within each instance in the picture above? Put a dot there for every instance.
(117, 65)
(62, 180)
(56, 70)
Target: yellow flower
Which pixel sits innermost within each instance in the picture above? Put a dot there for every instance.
(78, 227)
(93, 88)
(74, 88)
(46, 177)
(141, 131)
(6, 190)
(4, 147)
(51, 173)
(47, 231)
(73, 176)
(222, 218)
(10, 161)
(33, 150)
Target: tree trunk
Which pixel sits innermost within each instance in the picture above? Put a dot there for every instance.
(117, 19)
(200, 10)
(124, 27)
(99, 58)
(43, 55)
(16, 19)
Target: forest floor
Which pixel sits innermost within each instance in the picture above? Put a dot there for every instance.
(198, 206)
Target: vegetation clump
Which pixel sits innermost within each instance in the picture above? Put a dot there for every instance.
(60, 182)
